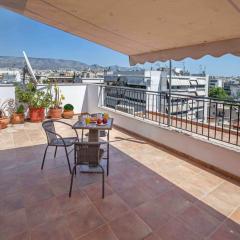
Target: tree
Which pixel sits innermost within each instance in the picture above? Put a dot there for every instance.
(218, 92)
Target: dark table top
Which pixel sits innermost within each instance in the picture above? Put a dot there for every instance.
(94, 126)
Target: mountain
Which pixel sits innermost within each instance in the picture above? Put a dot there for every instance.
(45, 63)
(56, 64)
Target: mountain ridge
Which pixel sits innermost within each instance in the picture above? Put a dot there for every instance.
(53, 64)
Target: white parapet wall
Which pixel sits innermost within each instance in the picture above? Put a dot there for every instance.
(74, 94)
(220, 157)
(7, 92)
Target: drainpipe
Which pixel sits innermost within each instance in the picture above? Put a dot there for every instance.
(169, 92)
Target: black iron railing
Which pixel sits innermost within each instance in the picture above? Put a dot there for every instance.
(212, 118)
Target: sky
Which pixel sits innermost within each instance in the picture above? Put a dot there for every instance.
(18, 33)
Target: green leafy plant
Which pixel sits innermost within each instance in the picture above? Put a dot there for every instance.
(68, 107)
(218, 92)
(33, 97)
(20, 109)
(58, 97)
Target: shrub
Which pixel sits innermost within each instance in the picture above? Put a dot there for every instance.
(20, 109)
(68, 107)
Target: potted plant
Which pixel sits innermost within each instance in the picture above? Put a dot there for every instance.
(55, 110)
(36, 99)
(68, 111)
(6, 109)
(18, 116)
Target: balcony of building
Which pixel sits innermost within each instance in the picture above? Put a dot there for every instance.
(163, 183)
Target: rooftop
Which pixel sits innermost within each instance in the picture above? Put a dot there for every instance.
(151, 193)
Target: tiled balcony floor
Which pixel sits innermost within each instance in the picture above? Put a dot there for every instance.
(150, 194)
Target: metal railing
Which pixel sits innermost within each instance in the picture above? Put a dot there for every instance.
(209, 117)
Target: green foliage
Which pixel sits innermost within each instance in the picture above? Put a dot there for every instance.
(58, 97)
(34, 97)
(68, 107)
(218, 92)
(20, 109)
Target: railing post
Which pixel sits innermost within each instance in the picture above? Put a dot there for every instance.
(169, 92)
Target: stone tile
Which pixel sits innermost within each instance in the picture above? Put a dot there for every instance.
(175, 230)
(94, 190)
(172, 202)
(228, 192)
(54, 230)
(152, 236)
(43, 211)
(10, 185)
(11, 203)
(83, 221)
(13, 224)
(36, 194)
(203, 206)
(153, 214)
(55, 173)
(224, 199)
(120, 182)
(235, 216)
(155, 186)
(130, 226)
(111, 207)
(77, 201)
(22, 236)
(135, 196)
(104, 232)
(226, 231)
(61, 185)
(199, 221)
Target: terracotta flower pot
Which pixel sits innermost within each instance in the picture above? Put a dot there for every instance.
(36, 114)
(4, 121)
(17, 118)
(55, 113)
(3, 125)
(68, 114)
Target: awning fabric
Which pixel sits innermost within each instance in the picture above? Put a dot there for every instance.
(146, 30)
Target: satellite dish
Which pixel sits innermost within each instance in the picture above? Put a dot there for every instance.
(29, 69)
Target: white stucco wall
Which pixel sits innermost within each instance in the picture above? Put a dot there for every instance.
(74, 94)
(7, 92)
(221, 157)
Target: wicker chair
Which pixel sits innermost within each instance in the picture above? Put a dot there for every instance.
(88, 154)
(56, 140)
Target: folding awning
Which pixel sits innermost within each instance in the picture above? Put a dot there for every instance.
(146, 30)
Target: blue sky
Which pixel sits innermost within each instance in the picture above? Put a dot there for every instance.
(19, 33)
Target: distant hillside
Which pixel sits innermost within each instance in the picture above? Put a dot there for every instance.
(44, 63)
(55, 64)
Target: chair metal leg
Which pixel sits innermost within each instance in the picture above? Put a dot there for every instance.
(69, 165)
(70, 191)
(107, 159)
(103, 185)
(108, 154)
(103, 189)
(55, 153)
(44, 157)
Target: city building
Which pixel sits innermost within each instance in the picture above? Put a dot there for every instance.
(9, 76)
(215, 82)
(157, 84)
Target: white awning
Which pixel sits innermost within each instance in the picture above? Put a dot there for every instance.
(144, 30)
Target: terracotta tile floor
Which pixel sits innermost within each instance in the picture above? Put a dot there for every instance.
(150, 194)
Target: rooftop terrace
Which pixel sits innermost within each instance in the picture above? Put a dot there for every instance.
(150, 193)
